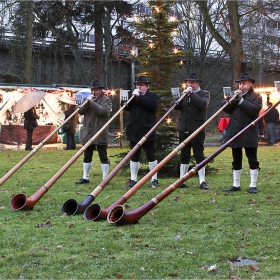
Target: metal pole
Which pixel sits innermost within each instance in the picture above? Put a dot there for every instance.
(132, 74)
(121, 120)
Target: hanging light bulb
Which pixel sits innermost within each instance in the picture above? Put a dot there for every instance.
(173, 18)
(151, 44)
(168, 120)
(157, 9)
(175, 50)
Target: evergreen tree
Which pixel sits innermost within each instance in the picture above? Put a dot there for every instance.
(159, 60)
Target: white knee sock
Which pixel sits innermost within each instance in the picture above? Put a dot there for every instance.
(254, 176)
(201, 175)
(152, 165)
(236, 178)
(134, 168)
(105, 169)
(87, 166)
(183, 169)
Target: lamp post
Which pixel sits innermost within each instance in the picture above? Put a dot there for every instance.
(123, 96)
(134, 53)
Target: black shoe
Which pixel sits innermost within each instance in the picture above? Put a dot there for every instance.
(82, 181)
(28, 149)
(154, 183)
(253, 190)
(131, 183)
(232, 189)
(183, 186)
(203, 186)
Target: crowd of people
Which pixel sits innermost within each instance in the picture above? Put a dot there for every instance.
(142, 110)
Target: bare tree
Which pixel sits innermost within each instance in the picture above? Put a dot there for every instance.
(28, 48)
(235, 18)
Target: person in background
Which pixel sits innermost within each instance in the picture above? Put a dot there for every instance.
(96, 114)
(142, 117)
(70, 127)
(244, 110)
(261, 126)
(30, 122)
(271, 120)
(193, 114)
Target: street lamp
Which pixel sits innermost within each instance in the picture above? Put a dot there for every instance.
(134, 53)
(123, 96)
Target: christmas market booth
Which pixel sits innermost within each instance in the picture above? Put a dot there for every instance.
(50, 111)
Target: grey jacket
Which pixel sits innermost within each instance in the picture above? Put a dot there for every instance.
(96, 114)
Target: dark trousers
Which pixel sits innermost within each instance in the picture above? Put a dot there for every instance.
(102, 152)
(197, 145)
(150, 149)
(251, 154)
(271, 133)
(70, 141)
(28, 143)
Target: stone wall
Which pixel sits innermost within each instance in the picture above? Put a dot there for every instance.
(62, 69)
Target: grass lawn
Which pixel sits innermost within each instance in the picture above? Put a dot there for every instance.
(191, 234)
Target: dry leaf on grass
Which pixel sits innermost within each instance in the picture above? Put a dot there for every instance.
(254, 268)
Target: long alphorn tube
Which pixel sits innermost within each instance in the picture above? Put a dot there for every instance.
(117, 215)
(38, 147)
(94, 211)
(21, 202)
(72, 207)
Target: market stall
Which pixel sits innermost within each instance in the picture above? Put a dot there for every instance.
(49, 109)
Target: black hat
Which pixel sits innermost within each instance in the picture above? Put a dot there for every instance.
(142, 79)
(96, 84)
(245, 77)
(193, 77)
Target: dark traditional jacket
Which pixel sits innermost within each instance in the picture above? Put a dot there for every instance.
(272, 116)
(242, 115)
(193, 111)
(70, 126)
(30, 119)
(142, 116)
(96, 114)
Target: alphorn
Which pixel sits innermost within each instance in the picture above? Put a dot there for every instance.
(118, 216)
(94, 211)
(38, 147)
(21, 202)
(72, 207)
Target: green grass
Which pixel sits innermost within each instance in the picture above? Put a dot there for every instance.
(181, 238)
(213, 137)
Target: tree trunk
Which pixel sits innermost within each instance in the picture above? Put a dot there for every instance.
(237, 53)
(234, 48)
(108, 49)
(99, 64)
(28, 46)
(79, 73)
